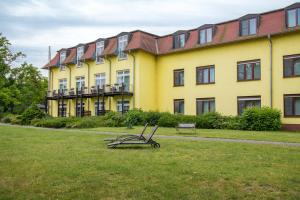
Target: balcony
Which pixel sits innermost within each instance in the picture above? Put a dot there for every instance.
(93, 91)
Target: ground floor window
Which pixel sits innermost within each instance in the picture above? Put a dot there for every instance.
(248, 102)
(99, 110)
(205, 105)
(125, 106)
(79, 109)
(292, 105)
(179, 106)
(62, 110)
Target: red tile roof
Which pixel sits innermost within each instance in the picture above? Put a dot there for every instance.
(272, 22)
(71, 56)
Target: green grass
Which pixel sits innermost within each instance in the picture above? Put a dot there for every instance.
(279, 136)
(47, 164)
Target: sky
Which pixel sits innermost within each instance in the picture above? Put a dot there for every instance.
(33, 25)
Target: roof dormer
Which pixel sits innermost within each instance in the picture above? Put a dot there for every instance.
(292, 15)
(122, 42)
(179, 39)
(80, 49)
(206, 33)
(248, 24)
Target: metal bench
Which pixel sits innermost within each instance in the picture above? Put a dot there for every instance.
(186, 126)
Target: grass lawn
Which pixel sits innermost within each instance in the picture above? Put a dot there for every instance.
(279, 136)
(46, 164)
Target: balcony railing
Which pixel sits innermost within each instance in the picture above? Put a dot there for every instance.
(110, 89)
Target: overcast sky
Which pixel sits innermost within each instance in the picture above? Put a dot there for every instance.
(33, 25)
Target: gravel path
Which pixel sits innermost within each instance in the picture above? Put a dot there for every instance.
(172, 137)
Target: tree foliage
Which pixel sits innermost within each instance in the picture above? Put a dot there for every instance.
(20, 86)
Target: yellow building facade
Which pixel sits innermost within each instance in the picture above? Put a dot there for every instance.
(225, 72)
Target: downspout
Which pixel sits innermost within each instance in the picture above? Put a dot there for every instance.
(88, 86)
(271, 70)
(133, 77)
(109, 100)
(70, 85)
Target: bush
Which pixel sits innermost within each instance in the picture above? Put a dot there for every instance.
(168, 120)
(50, 122)
(151, 117)
(6, 120)
(86, 122)
(31, 113)
(261, 119)
(134, 117)
(230, 122)
(113, 119)
(211, 120)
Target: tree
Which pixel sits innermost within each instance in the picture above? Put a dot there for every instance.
(20, 86)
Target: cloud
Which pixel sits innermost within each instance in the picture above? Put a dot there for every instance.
(32, 25)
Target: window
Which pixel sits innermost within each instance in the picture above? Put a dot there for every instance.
(99, 110)
(205, 105)
(99, 51)
(178, 77)
(62, 85)
(292, 105)
(179, 40)
(291, 66)
(125, 106)
(122, 43)
(62, 58)
(205, 75)
(247, 102)
(205, 35)
(248, 26)
(123, 77)
(293, 17)
(100, 80)
(80, 52)
(178, 106)
(80, 82)
(79, 109)
(248, 70)
(62, 112)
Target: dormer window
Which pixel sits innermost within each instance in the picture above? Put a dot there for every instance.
(99, 51)
(179, 40)
(206, 35)
(293, 17)
(122, 43)
(248, 26)
(80, 52)
(62, 58)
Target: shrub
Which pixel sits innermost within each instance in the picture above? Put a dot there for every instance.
(113, 119)
(86, 122)
(152, 117)
(210, 120)
(230, 122)
(168, 120)
(261, 119)
(31, 113)
(49, 122)
(134, 117)
(6, 120)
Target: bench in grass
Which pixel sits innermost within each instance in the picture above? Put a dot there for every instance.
(186, 126)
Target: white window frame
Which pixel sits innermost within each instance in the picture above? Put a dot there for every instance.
(122, 43)
(99, 51)
(121, 74)
(100, 80)
(126, 104)
(62, 58)
(81, 81)
(181, 38)
(80, 52)
(207, 38)
(63, 83)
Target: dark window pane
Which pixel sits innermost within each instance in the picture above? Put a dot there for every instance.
(199, 107)
(257, 71)
(241, 106)
(292, 18)
(202, 37)
(252, 26)
(241, 72)
(297, 67)
(205, 75)
(178, 78)
(245, 28)
(288, 106)
(297, 105)
(298, 16)
(182, 40)
(212, 106)
(179, 106)
(288, 67)
(205, 106)
(209, 34)
(199, 76)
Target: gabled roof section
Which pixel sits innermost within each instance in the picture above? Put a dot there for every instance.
(71, 58)
(54, 62)
(90, 52)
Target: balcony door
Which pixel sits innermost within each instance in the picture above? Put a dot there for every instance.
(62, 85)
(124, 77)
(80, 82)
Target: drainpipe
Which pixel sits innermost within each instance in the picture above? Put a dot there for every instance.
(271, 70)
(109, 100)
(88, 82)
(70, 85)
(133, 77)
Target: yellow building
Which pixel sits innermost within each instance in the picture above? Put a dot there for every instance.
(224, 67)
